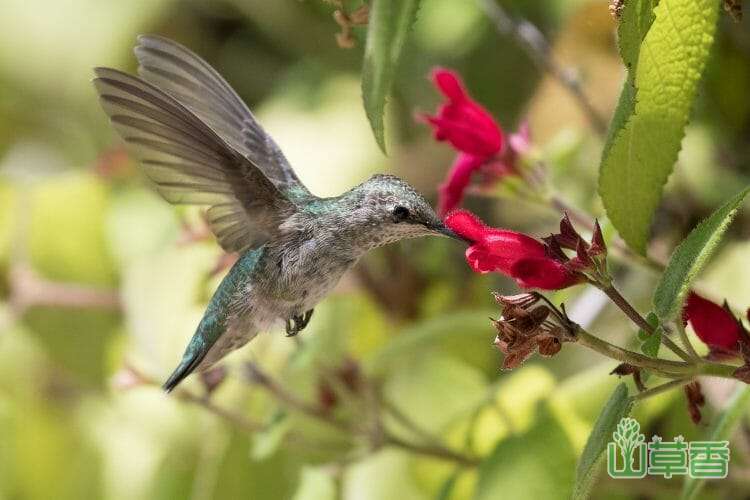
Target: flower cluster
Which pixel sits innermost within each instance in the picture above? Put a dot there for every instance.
(478, 138)
(530, 262)
(528, 325)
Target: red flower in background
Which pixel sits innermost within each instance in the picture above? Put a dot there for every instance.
(463, 122)
(712, 323)
(513, 254)
(476, 135)
(451, 191)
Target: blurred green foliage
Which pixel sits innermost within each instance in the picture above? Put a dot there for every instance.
(97, 273)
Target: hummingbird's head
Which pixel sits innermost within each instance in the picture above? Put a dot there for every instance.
(389, 210)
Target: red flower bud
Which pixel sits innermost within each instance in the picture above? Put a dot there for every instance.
(516, 255)
(713, 324)
(463, 122)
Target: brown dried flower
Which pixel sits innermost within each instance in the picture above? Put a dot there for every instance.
(527, 325)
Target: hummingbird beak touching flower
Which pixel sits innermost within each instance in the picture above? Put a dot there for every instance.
(446, 231)
(513, 254)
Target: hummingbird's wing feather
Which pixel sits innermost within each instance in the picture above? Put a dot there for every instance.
(191, 164)
(192, 81)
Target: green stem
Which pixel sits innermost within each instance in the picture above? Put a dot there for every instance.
(431, 451)
(716, 370)
(686, 342)
(664, 367)
(661, 388)
(639, 320)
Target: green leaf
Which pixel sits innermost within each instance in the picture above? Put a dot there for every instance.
(635, 20)
(650, 342)
(650, 346)
(536, 464)
(616, 408)
(690, 256)
(446, 490)
(388, 26)
(651, 121)
(722, 429)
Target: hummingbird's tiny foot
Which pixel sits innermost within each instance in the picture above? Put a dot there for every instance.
(304, 320)
(291, 327)
(296, 324)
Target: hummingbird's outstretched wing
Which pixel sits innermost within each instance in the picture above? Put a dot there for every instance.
(192, 164)
(192, 81)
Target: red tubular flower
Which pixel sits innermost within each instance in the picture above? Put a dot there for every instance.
(516, 255)
(451, 191)
(478, 138)
(463, 122)
(713, 324)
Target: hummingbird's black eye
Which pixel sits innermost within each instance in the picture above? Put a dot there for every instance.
(400, 214)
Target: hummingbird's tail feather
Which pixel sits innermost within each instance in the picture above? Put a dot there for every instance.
(194, 355)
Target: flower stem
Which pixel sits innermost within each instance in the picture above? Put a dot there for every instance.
(640, 321)
(686, 342)
(383, 438)
(664, 367)
(660, 388)
(431, 451)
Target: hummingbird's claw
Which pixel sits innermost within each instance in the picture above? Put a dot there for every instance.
(305, 319)
(291, 327)
(296, 324)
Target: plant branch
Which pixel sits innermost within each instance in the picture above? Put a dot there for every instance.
(660, 388)
(236, 419)
(640, 321)
(400, 417)
(664, 367)
(258, 376)
(136, 377)
(28, 289)
(538, 49)
(383, 438)
(431, 450)
(686, 342)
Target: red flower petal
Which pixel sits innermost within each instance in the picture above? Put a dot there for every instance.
(543, 273)
(482, 261)
(451, 191)
(449, 84)
(713, 324)
(466, 224)
(516, 255)
(463, 122)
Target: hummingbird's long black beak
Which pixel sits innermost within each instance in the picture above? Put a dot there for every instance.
(445, 230)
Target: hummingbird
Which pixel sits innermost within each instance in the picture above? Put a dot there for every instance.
(199, 144)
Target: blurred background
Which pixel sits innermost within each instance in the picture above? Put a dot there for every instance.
(102, 283)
